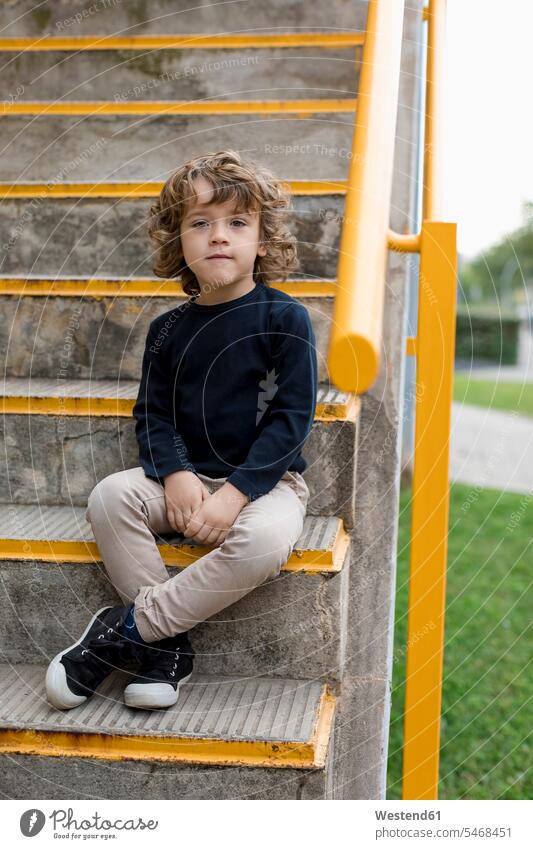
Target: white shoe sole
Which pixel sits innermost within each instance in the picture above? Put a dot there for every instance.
(58, 692)
(151, 696)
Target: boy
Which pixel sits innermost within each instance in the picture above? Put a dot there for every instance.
(226, 400)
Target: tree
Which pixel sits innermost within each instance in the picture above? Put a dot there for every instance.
(507, 266)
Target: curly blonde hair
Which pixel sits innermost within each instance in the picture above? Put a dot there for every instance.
(253, 187)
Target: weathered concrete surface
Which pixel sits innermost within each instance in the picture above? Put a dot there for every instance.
(102, 338)
(373, 566)
(360, 747)
(35, 777)
(107, 237)
(150, 17)
(185, 74)
(99, 148)
(331, 455)
(59, 459)
(287, 627)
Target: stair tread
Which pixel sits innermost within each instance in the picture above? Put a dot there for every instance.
(275, 721)
(209, 705)
(65, 523)
(40, 387)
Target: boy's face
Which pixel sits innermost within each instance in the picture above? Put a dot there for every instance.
(218, 229)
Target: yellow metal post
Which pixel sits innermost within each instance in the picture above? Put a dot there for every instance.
(430, 498)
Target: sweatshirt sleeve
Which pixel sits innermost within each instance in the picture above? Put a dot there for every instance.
(286, 405)
(161, 447)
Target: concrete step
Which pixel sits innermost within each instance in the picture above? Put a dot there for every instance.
(105, 336)
(106, 236)
(176, 16)
(225, 738)
(189, 74)
(63, 436)
(100, 147)
(52, 580)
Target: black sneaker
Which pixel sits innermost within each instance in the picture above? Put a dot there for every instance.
(166, 664)
(74, 674)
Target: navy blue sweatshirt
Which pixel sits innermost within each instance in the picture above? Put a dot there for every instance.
(228, 390)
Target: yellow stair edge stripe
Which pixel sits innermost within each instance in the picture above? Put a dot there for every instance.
(142, 190)
(192, 41)
(347, 411)
(211, 751)
(309, 561)
(141, 287)
(61, 405)
(180, 107)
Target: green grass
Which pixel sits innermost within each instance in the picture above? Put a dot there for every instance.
(516, 397)
(486, 737)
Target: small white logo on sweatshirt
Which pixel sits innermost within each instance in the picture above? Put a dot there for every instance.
(269, 387)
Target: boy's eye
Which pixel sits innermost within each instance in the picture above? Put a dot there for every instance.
(234, 221)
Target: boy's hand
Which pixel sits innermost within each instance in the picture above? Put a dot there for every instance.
(184, 493)
(213, 518)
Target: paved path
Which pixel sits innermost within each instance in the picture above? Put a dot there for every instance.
(498, 374)
(491, 448)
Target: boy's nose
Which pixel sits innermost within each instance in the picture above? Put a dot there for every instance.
(218, 235)
(219, 230)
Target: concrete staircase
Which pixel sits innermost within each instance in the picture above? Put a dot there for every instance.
(290, 693)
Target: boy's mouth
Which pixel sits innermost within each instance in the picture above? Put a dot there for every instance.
(218, 256)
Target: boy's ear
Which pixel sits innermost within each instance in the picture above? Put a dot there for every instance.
(261, 250)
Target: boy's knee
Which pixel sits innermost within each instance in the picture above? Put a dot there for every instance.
(279, 542)
(107, 495)
(270, 550)
(277, 559)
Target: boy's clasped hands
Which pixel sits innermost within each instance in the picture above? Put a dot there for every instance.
(198, 514)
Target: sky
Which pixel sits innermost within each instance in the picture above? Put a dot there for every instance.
(488, 119)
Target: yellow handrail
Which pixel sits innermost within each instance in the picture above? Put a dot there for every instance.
(353, 356)
(432, 194)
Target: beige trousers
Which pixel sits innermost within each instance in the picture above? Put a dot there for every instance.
(127, 508)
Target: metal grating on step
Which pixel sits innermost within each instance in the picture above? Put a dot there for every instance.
(282, 710)
(331, 395)
(36, 522)
(116, 398)
(125, 389)
(44, 388)
(318, 533)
